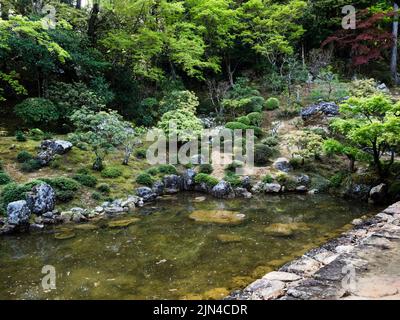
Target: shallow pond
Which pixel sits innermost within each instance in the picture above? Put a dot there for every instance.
(164, 254)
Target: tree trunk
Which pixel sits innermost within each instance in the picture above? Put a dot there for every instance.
(92, 23)
(395, 32)
(78, 4)
(127, 155)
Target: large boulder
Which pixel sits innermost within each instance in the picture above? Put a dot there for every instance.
(146, 194)
(378, 193)
(41, 199)
(188, 182)
(49, 148)
(282, 164)
(357, 191)
(272, 188)
(18, 213)
(158, 188)
(223, 190)
(325, 109)
(172, 184)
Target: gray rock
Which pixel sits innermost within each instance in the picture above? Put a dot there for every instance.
(188, 179)
(378, 193)
(158, 188)
(78, 217)
(383, 88)
(172, 184)
(146, 194)
(41, 199)
(242, 192)
(246, 183)
(301, 189)
(282, 276)
(131, 202)
(18, 213)
(258, 187)
(326, 109)
(282, 164)
(223, 190)
(272, 188)
(303, 180)
(271, 289)
(115, 210)
(357, 192)
(49, 148)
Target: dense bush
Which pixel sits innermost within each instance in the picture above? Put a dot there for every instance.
(233, 179)
(272, 104)
(4, 178)
(140, 153)
(20, 136)
(104, 188)
(182, 100)
(262, 154)
(270, 141)
(37, 111)
(24, 156)
(267, 178)
(337, 179)
(166, 169)
(96, 196)
(31, 165)
(152, 171)
(14, 192)
(236, 126)
(111, 172)
(86, 180)
(296, 162)
(255, 118)
(145, 179)
(206, 168)
(244, 119)
(235, 164)
(207, 179)
(65, 188)
(36, 134)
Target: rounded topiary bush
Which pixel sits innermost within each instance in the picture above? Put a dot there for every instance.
(140, 153)
(272, 104)
(207, 179)
(255, 118)
(20, 136)
(145, 179)
(235, 164)
(244, 119)
(111, 172)
(104, 188)
(86, 180)
(167, 169)
(37, 111)
(262, 154)
(31, 165)
(236, 126)
(206, 168)
(4, 178)
(24, 156)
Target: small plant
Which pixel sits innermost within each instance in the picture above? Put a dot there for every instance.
(152, 171)
(86, 180)
(111, 172)
(145, 179)
(270, 141)
(337, 179)
(207, 179)
(255, 118)
(140, 153)
(206, 168)
(167, 169)
(262, 154)
(267, 179)
(235, 164)
(296, 162)
(31, 166)
(24, 156)
(104, 188)
(83, 171)
(96, 196)
(4, 178)
(20, 136)
(272, 104)
(233, 179)
(36, 134)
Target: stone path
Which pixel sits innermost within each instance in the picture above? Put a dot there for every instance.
(364, 263)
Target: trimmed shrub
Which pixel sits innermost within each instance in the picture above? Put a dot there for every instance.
(65, 188)
(152, 171)
(31, 166)
(270, 141)
(111, 172)
(166, 169)
(96, 196)
(207, 179)
(272, 104)
(206, 168)
(140, 153)
(267, 179)
(233, 179)
(255, 118)
(262, 154)
(296, 162)
(145, 179)
(4, 178)
(236, 126)
(24, 156)
(37, 111)
(104, 188)
(86, 180)
(36, 134)
(234, 165)
(20, 136)
(244, 119)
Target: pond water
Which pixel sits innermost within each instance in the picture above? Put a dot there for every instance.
(164, 254)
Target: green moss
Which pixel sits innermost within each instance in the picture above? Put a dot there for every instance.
(267, 179)
(207, 179)
(167, 169)
(206, 168)
(111, 172)
(4, 178)
(145, 179)
(86, 180)
(24, 156)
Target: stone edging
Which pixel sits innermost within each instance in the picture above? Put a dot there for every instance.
(318, 274)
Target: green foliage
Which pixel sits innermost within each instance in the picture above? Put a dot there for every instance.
(165, 169)
(36, 134)
(96, 196)
(13, 192)
(65, 188)
(140, 153)
(111, 172)
(31, 165)
(267, 179)
(262, 154)
(272, 104)
(104, 188)
(255, 118)
(24, 156)
(20, 136)
(207, 179)
(307, 145)
(234, 179)
(363, 88)
(296, 162)
(394, 190)
(4, 178)
(206, 168)
(270, 141)
(145, 179)
(179, 100)
(86, 180)
(236, 126)
(329, 87)
(244, 119)
(37, 111)
(337, 179)
(235, 164)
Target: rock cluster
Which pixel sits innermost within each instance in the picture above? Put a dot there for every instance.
(325, 109)
(50, 148)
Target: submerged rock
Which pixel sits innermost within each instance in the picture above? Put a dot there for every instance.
(228, 238)
(41, 199)
(64, 234)
(223, 190)
(122, 223)
(242, 192)
(285, 229)
(18, 213)
(217, 216)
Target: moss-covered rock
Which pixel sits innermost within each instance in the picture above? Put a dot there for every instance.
(228, 238)
(217, 216)
(285, 229)
(122, 223)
